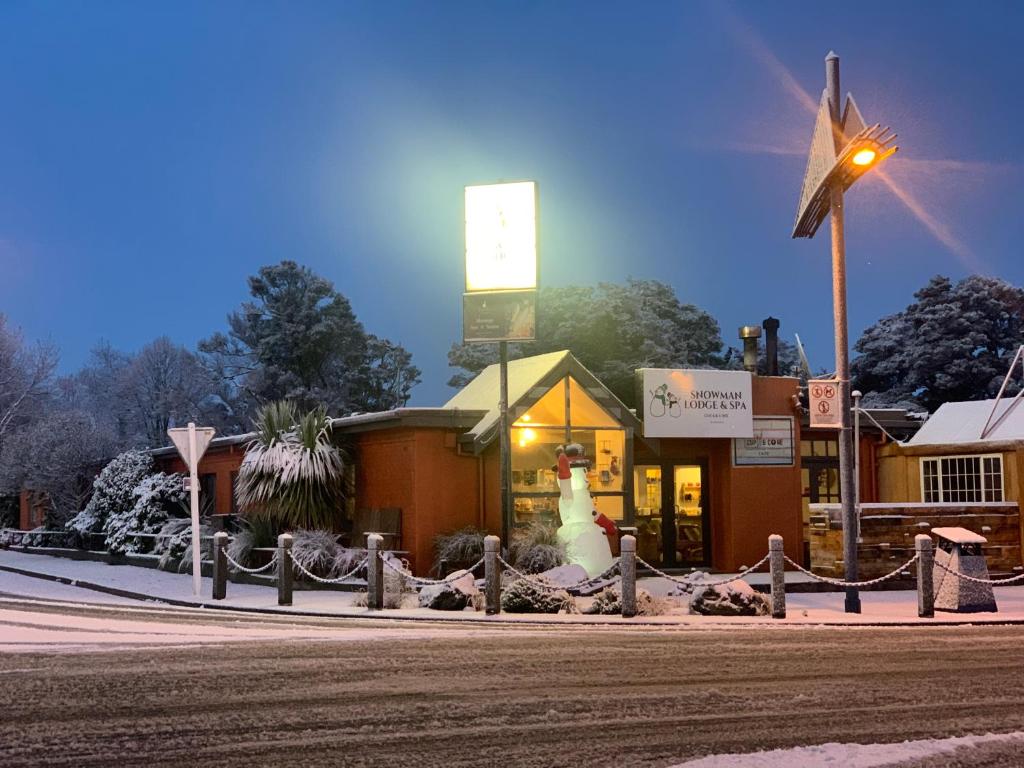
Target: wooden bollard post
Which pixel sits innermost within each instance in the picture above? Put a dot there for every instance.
(925, 573)
(220, 565)
(284, 569)
(777, 565)
(627, 573)
(492, 575)
(374, 572)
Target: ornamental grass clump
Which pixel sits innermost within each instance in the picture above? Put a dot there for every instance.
(459, 549)
(292, 473)
(536, 548)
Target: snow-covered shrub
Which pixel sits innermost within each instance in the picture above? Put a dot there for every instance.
(398, 592)
(316, 551)
(609, 602)
(112, 491)
(462, 548)
(737, 598)
(175, 545)
(536, 548)
(158, 498)
(253, 533)
(526, 596)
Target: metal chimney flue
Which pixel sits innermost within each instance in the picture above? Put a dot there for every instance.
(771, 344)
(750, 334)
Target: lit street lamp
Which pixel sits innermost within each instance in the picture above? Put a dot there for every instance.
(842, 150)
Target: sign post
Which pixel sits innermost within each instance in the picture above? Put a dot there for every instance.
(825, 404)
(191, 443)
(500, 299)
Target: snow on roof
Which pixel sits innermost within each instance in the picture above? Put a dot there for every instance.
(958, 423)
(960, 535)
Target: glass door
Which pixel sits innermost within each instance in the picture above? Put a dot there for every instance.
(671, 514)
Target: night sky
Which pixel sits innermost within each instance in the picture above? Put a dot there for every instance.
(153, 155)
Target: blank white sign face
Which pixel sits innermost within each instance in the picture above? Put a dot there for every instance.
(501, 236)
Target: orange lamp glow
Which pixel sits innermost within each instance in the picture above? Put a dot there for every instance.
(864, 157)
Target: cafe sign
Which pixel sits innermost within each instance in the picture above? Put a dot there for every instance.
(771, 445)
(696, 403)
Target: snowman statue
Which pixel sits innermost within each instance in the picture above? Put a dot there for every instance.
(584, 540)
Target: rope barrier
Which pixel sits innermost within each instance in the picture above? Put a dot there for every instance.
(841, 583)
(242, 568)
(976, 580)
(336, 579)
(430, 582)
(689, 583)
(555, 587)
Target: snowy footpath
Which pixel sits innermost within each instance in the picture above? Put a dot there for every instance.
(144, 584)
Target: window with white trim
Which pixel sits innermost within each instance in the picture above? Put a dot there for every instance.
(962, 479)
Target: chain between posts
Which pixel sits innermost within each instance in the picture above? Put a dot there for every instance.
(556, 587)
(242, 568)
(841, 583)
(322, 580)
(690, 583)
(452, 577)
(976, 580)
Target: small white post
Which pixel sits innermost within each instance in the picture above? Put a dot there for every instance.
(193, 475)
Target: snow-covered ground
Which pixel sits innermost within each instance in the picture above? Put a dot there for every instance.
(889, 607)
(833, 755)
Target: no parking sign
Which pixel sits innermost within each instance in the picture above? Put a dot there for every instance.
(824, 403)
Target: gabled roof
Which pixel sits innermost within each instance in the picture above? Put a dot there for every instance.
(961, 423)
(529, 379)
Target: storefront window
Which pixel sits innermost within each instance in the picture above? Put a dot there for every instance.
(546, 425)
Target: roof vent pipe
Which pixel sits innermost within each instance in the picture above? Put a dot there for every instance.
(771, 344)
(750, 334)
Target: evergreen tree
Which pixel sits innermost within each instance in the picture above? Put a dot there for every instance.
(953, 343)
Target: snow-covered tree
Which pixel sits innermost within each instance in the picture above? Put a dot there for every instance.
(56, 455)
(113, 491)
(954, 342)
(612, 329)
(158, 498)
(298, 339)
(25, 376)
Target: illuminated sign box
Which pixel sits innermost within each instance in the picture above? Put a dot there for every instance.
(696, 403)
(501, 237)
(771, 445)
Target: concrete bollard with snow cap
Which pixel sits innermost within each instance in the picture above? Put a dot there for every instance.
(284, 569)
(925, 575)
(627, 571)
(777, 565)
(220, 565)
(374, 572)
(492, 575)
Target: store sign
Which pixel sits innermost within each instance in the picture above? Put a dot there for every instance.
(499, 316)
(823, 399)
(771, 445)
(696, 403)
(501, 236)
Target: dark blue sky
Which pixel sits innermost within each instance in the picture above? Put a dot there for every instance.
(154, 155)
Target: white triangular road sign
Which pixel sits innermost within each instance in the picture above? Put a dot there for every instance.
(179, 436)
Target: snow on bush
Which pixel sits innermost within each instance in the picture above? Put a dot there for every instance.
(737, 598)
(398, 591)
(112, 491)
(318, 552)
(609, 602)
(158, 498)
(462, 548)
(175, 545)
(526, 596)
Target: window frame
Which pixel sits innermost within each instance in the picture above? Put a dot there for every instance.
(940, 478)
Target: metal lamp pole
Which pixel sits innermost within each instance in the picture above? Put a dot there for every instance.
(846, 473)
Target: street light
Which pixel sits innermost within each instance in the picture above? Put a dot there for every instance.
(843, 148)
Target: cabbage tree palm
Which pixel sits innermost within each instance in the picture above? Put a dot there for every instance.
(292, 473)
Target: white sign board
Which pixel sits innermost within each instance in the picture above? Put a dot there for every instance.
(696, 403)
(179, 437)
(823, 396)
(771, 445)
(191, 442)
(501, 236)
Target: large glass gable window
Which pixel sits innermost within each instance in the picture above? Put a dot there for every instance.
(566, 413)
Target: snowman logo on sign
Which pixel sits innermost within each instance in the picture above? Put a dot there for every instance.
(663, 401)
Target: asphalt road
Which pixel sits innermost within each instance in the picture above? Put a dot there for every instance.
(214, 692)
